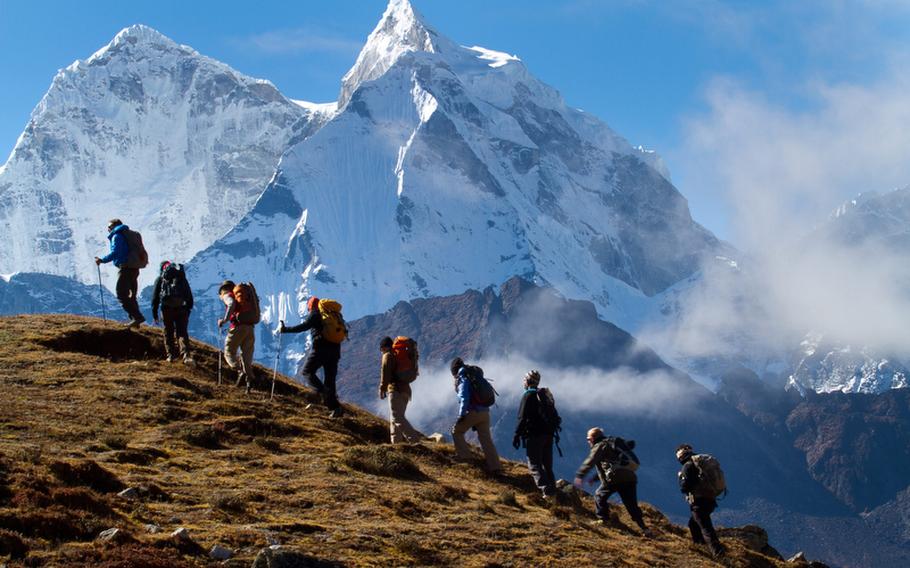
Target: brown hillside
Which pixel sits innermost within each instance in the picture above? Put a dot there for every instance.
(90, 409)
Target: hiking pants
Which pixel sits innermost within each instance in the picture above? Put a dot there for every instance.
(480, 421)
(399, 427)
(241, 337)
(628, 492)
(176, 321)
(540, 462)
(326, 356)
(127, 292)
(700, 524)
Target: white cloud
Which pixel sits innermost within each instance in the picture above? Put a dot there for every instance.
(301, 40)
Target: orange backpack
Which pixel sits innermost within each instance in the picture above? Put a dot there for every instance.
(247, 303)
(404, 349)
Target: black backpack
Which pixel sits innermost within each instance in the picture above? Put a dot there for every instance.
(624, 454)
(482, 392)
(546, 411)
(175, 289)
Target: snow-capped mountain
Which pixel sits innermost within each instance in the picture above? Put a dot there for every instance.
(448, 168)
(176, 144)
(876, 224)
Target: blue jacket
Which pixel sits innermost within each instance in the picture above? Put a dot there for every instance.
(463, 389)
(120, 250)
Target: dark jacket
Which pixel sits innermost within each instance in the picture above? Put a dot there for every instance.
(156, 295)
(688, 477)
(312, 323)
(120, 249)
(602, 453)
(530, 420)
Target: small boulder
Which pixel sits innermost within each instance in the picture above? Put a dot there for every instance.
(219, 552)
(182, 535)
(277, 556)
(130, 494)
(152, 528)
(114, 536)
(798, 558)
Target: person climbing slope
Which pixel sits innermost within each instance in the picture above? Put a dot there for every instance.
(701, 480)
(242, 312)
(397, 370)
(537, 428)
(173, 294)
(328, 330)
(129, 256)
(475, 397)
(616, 463)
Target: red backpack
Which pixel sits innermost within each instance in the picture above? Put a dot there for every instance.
(404, 349)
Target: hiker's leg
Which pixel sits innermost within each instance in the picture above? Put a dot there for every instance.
(486, 442)
(601, 505)
(628, 492)
(134, 294)
(547, 463)
(247, 347)
(458, 431)
(535, 448)
(399, 427)
(701, 513)
(182, 322)
(310, 366)
(231, 345)
(329, 373)
(125, 279)
(695, 529)
(170, 344)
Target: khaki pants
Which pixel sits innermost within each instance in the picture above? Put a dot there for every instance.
(240, 337)
(399, 427)
(481, 422)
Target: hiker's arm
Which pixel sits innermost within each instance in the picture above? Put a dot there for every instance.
(595, 457)
(688, 478)
(119, 249)
(189, 297)
(308, 323)
(521, 428)
(464, 397)
(386, 373)
(156, 298)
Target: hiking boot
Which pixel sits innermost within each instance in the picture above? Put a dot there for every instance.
(187, 360)
(136, 322)
(337, 413)
(647, 533)
(170, 358)
(599, 523)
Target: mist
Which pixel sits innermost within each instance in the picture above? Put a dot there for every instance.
(586, 390)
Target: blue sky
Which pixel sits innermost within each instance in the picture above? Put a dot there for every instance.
(737, 96)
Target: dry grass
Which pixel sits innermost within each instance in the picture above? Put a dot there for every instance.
(90, 409)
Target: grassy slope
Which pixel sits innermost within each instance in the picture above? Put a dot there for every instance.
(242, 472)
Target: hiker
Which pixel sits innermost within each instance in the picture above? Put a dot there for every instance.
(538, 426)
(397, 371)
(128, 255)
(701, 485)
(242, 313)
(327, 330)
(473, 414)
(615, 463)
(172, 292)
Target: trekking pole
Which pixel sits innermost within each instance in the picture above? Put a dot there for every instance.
(275, 372)
(220, 354)
(101, 293)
